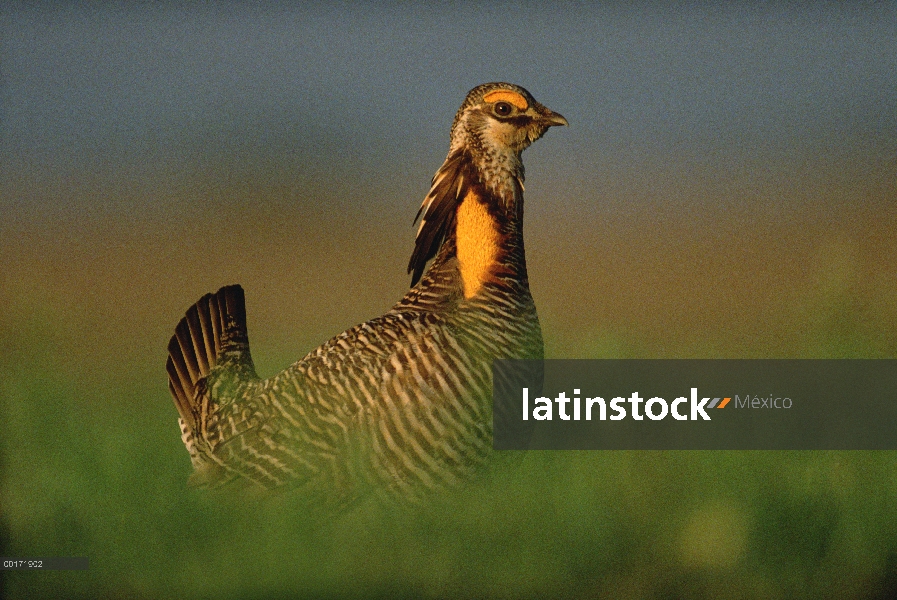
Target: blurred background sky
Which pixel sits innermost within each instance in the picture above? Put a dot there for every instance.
(727, 188)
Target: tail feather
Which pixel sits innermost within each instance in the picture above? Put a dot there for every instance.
(215, 325)
(201, 350)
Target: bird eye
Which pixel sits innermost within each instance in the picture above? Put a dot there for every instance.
(502, 109)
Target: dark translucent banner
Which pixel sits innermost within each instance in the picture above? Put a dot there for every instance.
(837, 404)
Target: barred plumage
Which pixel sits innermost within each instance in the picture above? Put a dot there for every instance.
(399, 404)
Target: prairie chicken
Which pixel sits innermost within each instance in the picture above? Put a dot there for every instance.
(400, 404)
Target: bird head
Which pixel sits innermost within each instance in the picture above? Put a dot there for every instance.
(501, 119)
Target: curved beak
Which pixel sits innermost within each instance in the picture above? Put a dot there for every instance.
(551, 118)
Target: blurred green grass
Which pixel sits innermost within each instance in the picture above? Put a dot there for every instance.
(93, 466)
